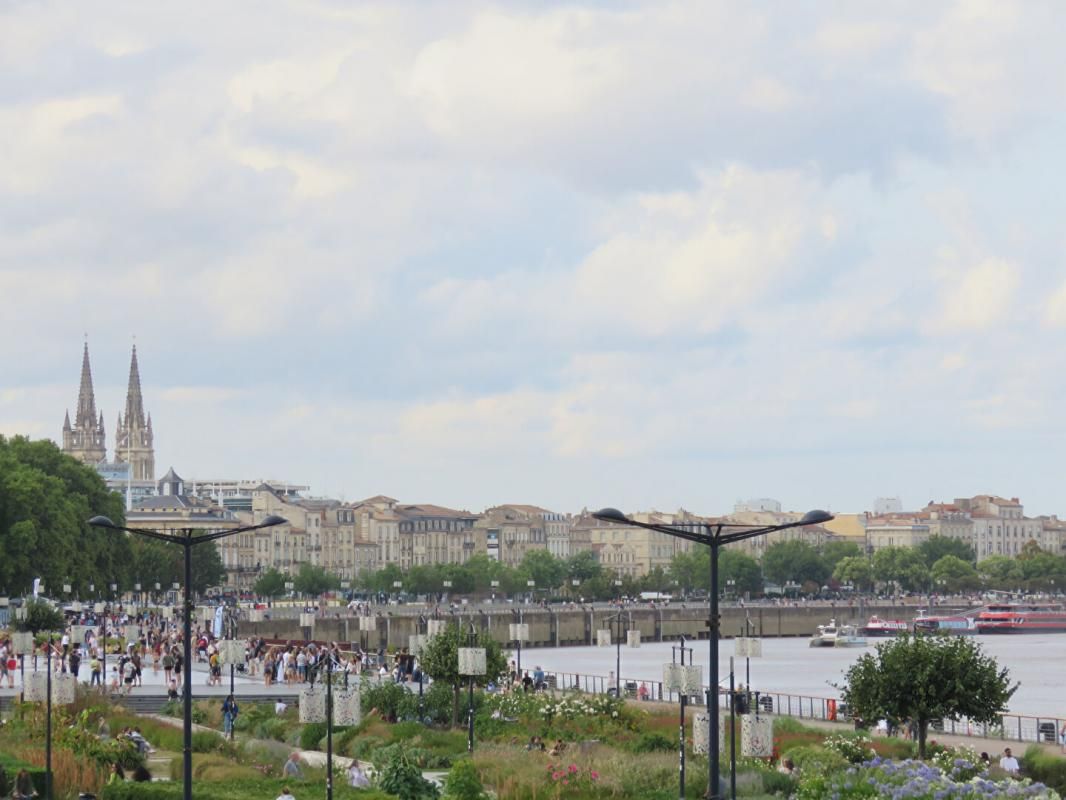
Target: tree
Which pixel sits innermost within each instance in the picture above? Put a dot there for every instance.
(544, 568)
(925, 678)
(738, 567)
(270, 584)
(583, 566)
(855, 570)
(692, 570)
(313, 580)
(902, 565)
(41, 616)
(834, 552)
(1000, 571)
(936, 547)
(957, 575)
(440, 660)
(794, 560)
(46, 500)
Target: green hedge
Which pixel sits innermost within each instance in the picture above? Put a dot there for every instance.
(265, 789)
(1045, 768)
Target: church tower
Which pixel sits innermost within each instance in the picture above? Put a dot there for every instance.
(133, 439)
(85, 440)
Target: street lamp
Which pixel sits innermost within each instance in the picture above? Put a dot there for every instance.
(472, 663)
(187, 539)
(714, 536)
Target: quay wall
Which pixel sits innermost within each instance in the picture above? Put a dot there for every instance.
(558, 627)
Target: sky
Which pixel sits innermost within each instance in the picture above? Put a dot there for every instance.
(637, 254)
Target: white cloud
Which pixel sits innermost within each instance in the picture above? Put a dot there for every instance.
(980, 297)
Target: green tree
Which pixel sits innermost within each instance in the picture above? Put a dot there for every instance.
(270, 584)
(957, 574)
(440, 660)
(41, 616)
(738, 567)
(834, 552)
(691, 570)
(583, 566)
(855, 570)
(1000, 571)
(794, 560)
(313, 580)
(925, 678)
(46, 500)
(544, 568)
(936, 547)
(902, 565)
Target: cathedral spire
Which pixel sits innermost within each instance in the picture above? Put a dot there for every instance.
(86, 416)
(66, 421)
(134, 401)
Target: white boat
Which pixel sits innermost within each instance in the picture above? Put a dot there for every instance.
(825, 636)
(849, 636)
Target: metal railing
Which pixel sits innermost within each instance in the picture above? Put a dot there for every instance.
(1011, 727)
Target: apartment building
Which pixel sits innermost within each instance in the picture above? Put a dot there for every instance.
(630, 551)
(417, 535)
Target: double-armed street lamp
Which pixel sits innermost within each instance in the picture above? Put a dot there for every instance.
(714, 535)
(187, 538)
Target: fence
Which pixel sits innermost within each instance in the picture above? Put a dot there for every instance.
(1011, 727)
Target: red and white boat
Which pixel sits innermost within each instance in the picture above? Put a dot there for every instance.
(875, 626)
(1022, 618)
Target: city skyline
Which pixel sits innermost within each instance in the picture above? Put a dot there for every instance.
(640, 255)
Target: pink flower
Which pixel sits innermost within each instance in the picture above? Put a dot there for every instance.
(565, 781)
(557, 775)
(573, 768)
(594, 775)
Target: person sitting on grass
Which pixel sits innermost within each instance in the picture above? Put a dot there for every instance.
(356, 777)
(292, 767)
(24, 789)
(285, 794)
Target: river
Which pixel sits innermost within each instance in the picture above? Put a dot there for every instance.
(1035, 661)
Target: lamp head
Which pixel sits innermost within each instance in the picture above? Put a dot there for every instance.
(273, 520)
(610, 515)
(102, 522)
(816, 517)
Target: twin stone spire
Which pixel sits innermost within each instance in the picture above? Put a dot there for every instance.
(85, 440)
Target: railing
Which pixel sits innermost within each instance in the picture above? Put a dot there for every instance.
(1011, 727)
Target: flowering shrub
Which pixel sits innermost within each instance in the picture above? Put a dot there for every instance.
(570, 705)
(959, 763)
(913, 780)
(855, 749)
(571, 779)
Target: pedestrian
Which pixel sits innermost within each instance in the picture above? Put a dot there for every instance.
(1009, 763)
(168, 666)
(292, 767)
(141, 774)
(117, 775)
(12, 668)
(356, 777)
(24, 788)
(94, 671)
(229, 714)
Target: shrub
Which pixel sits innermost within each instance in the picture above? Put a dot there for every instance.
(855, 748)
(310, 735)
(386, 697)
(652, 743)
(777, 783)
(209, 742)
(1044, 767)
(816, 760)
(235, 790)
(463, 782)
(401, 776)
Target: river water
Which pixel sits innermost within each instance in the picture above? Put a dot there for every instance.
(1036, 661)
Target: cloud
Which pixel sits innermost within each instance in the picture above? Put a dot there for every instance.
(980, 297)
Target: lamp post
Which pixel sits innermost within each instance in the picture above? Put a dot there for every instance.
(714, 535)
(187, 539)
(518, 631)
(472, 662)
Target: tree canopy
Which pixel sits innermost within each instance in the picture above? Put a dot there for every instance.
(925, 678)
(270, 584)
(40, 616)
(794, 560)
(936, 547)
(440, 659)
(46, 499)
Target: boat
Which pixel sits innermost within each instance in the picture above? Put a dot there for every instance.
(825, 636)
(849, 636)
(1022, 618)
(950, 625)
(875, 626)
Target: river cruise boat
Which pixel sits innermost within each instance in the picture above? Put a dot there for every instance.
(950, 625)
(875, 626)
(1022, 618)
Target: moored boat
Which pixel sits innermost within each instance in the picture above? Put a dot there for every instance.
(849, 636)
(1022, 618)
(825, 636)
(875, 626)
(953, 625)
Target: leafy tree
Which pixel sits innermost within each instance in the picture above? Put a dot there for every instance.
(46, 500)
(691, 570)
(270, 584)
(544, 568)
(956, 573)
(834, 552)
(440, 660)
(402, 777)
(855, 570)
(794, 560)
(1000, 571)
(902, 565)
(313, 580)
(41, 616)
(738, 567)
(936, 547)
(924, 678)
(583, 566)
